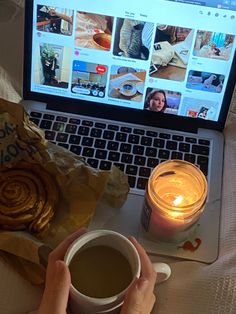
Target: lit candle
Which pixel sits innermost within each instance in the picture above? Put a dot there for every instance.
(175, 198)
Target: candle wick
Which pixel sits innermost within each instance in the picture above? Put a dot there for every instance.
(167, 173)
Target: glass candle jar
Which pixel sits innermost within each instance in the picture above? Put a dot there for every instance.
(175, 198)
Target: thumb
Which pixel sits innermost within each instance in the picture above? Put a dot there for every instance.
(56, 294)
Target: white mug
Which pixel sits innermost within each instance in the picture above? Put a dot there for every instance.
(82, 304)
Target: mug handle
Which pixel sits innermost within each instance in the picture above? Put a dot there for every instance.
(163, 271)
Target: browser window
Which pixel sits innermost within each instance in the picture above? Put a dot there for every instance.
(172, 56)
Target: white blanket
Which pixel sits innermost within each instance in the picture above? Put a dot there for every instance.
(194, 288)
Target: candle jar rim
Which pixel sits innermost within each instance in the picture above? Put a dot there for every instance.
(168, 208)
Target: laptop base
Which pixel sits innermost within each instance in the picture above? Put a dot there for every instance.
(201, 246)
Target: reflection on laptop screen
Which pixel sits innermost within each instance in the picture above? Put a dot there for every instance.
(147, 58)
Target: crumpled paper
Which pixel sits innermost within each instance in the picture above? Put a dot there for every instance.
(81, 187)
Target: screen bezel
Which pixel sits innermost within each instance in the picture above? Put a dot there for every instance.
(106, 111)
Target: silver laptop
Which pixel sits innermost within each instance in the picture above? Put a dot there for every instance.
(105, 80)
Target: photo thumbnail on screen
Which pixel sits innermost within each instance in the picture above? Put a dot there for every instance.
(133, 39)
(171, 51)
(52, 65)
(199, 108)
(208, 82)
(89, 79)
(160, 100)
(126, 83)
(93, 31)
(213, 45)
(54, 20)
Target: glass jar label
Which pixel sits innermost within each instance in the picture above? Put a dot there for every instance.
(146, 215)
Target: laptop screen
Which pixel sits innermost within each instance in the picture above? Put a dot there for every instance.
(173, 57)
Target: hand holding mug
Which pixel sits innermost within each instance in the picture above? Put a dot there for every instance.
(138, 297)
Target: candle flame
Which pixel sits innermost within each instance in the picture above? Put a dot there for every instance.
(178, 200)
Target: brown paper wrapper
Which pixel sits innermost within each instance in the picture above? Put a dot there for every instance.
(80, 187)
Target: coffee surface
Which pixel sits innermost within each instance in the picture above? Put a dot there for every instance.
(100, 271)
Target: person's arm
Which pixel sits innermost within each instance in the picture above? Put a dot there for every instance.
(62, 16)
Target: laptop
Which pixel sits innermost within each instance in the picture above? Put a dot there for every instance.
(87, 83)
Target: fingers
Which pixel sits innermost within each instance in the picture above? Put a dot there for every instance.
(147, 270)
(140, 298)
(59, 252)
(56, 293)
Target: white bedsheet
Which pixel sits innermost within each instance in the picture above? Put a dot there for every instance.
(194, 288)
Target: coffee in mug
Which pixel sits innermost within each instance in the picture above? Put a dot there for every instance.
(92, 271)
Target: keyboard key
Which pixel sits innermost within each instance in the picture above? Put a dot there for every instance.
(71, 128)
(159, 143)
(114, 156)
(139, 160)
(132, 181)
(59, 126)
(125, 129)
(151, 133)
(101, 154)
(35, 120)
(127, 158)
(139, 131)
(151, 152)
(178, 138)
(184, 147)
(164, 154)
(120, 166)
(146, 141)
(202, 161)
(200, 150)
(190, 157)
(74, 139)
(61, 119)
(36, 114)
(113, 127)
(138, 150)
(121, 137)
(204, 142)
(165, 135)
(100, 125)
(75, 149)
(92, 162)
(88, 152)
(152, 162)
(108, 135)
(46, 124)
(96, 133)
(63, 145)
(171, 145)
(87, 141)
(144, 172)
(131, 170)
(48, 116)
(190, 140)
(62, 137)
(133, 139)
(112, 146)
(176, 155)
(105, 165)
(125, 148)
(141, 184)
(83, 130)
(74, 121)
(100, 143)
(87, 123)
(50, 135)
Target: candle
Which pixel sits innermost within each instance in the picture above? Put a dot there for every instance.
(175, 198)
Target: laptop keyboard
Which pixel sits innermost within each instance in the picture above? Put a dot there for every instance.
(135, 151)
